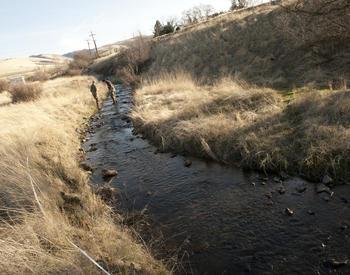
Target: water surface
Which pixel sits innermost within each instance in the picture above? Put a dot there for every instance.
(220, 219)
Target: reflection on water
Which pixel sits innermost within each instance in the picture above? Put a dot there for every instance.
(228, 221)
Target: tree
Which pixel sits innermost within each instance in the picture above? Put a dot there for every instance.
(157, 28)
(239, 4)
(197, 13)
(168, 28)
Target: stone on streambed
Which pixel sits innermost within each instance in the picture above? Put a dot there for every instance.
(284, 176)
(86, 167)
(322, 188)
(335, 263)
(109, 173)
(188, 163)
(301, 188)
(281, 190)
(344, 226)
(289, 212)
(327, 180)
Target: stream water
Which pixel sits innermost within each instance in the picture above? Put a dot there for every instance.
(220, 219)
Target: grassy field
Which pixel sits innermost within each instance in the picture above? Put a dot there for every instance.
(305, 133)
(46, 202)
(262, 45)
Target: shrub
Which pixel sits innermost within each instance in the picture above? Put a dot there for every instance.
(239, 4)
(4, 85)
(160, 29)
(73, 72)
(25, 92)
(81, 61)
(157, 28)
(39, 76)
(127, 66)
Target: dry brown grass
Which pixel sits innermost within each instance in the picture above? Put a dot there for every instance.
(39, 155)
(4, 85)
(234, 123)
(256, 45)
(40, 75)
(127, 65)
(25, 92)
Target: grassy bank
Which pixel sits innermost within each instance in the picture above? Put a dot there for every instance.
(46, 203)
(233, 122)
(263, 45)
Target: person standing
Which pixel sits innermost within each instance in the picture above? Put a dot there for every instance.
(111, 90)
(93, 90)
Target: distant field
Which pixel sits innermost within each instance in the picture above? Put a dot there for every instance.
(23, 66)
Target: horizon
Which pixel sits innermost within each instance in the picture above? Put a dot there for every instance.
(62, 30)
(59, 30)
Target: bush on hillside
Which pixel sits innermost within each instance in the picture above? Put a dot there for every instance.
(4, 85)
(239, 4)
(160, 29)
(40, 75)
(157, 29)
(197, 14)
(25, 92)
(81, 61)
(126, 66)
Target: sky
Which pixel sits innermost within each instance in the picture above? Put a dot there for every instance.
(30, 27)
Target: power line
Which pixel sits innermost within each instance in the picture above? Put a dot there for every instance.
(94, 40)
(88, 42)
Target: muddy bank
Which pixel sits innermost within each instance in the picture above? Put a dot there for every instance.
(219, 219)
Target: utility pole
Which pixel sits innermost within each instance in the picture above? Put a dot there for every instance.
(88, 41)
(93, 39)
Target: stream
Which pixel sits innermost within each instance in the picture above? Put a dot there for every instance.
(221, 219)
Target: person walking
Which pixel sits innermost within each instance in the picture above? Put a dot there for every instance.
(93, 90)
(111, 90)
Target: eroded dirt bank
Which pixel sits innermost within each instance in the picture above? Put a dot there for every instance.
(220, 219)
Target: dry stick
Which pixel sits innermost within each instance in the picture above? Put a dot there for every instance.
(33, 188)
(90, 258)
(43, 212)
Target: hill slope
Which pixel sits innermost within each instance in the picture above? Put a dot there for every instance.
(22, 66)
(256, 44)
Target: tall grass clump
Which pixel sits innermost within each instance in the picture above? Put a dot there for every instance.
(25, 92)
(79, 64)
(4, 85)
(47, 207)
(40, 76)
(233, 122)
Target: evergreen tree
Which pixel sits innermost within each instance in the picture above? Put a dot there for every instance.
(157, 29)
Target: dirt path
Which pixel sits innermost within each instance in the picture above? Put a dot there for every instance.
(220, 219)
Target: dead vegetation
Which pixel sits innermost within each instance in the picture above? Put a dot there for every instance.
(47, 208)
(25, 92)
(79, 64)
(40, 76)
(236, 123)
(268, 45)
(127, 66)
(4, 85)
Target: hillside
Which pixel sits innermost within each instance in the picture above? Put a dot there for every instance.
(22, 66)
(238, 118)
(262, 45)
